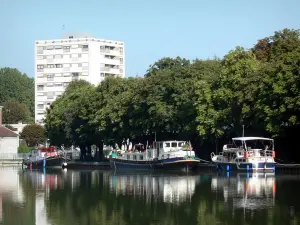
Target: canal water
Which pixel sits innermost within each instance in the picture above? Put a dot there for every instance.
(61, 197)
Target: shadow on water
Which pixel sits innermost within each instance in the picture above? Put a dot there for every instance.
(108, 197)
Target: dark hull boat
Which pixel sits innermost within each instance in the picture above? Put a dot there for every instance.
(167, 155)
(51, 162)
(44, 157)
(171, 164)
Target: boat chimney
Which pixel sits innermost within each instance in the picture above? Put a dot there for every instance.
(1, 107)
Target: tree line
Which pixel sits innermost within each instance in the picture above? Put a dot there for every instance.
(17, 99)
(204, 101)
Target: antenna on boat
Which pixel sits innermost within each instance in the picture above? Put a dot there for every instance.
(243, 130)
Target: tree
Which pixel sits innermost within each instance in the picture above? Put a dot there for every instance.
(227, 103)
(18, 86)
(13, 112)
(278, 101)
(33, 134)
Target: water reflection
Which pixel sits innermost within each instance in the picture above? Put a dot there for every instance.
(167, 188)
(251, 191)
(103, 197)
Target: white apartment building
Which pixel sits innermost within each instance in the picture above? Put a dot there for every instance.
(58, 62)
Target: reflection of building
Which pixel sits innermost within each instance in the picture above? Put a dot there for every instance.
(172, 189)
(9, 187)
(254, 191)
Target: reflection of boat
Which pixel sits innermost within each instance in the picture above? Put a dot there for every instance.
(45, 180)
(169, 188)
(163, 155)
(44, 157)
(247, 154)
(255, 190)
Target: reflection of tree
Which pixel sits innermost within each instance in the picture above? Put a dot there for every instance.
(93, 201)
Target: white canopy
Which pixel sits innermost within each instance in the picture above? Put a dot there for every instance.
(251, 138)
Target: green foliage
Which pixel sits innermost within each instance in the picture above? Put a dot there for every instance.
(33, 134)
(23, 148)
(17, 86)
(278, 100)
(13, 112)
(189, 100)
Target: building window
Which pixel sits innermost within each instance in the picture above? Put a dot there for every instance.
(121, 60)
(75, 76)
(58, 47)
(79, 64)
(50, 95)
(40, 48)
(40, 57)
(66, 48)
(40, 106)
(40, 87)
(50, 47)
(50, 77)
(58, 85)
(85, 48)
(121, 49)
(40, 68)
(66, 74)
(66, 84)
(121, 70)
(58, 65)
(79, 55)
(50, 66)
(58, 56)
(102, 74)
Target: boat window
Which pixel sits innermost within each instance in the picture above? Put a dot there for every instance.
(161, 145)
(180, 144)
(154, 145)
(141, 157)
(128, 156)
(174, 144)
(134, 157)
(149, 154)
(167, 145)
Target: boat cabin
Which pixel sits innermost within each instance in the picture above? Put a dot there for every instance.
(42, 152)
(249, 146)
(159, 150)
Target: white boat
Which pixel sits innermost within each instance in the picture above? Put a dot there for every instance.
(247, 154)
(163, 155)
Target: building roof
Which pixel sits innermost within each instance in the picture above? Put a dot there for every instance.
(5, 132)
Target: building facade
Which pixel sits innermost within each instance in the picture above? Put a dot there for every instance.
(9, 141)
(58, 62)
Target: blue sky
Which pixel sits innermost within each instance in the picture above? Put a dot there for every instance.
(150, 29)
